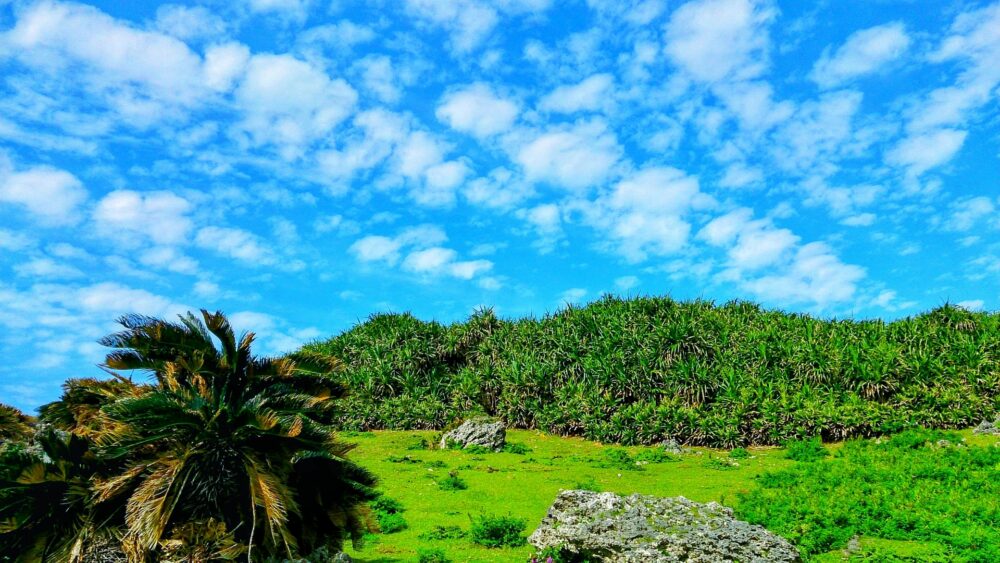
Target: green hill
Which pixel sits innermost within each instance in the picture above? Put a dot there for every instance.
(637, 371)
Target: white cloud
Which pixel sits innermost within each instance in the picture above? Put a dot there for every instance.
(189, 23)
(814, 275)
(55, 37)
(469, 22)
(922, 152)
(47, 268)
(379, 77)
(500, 189)
(168, 258)
(424, 255)
(237, 243)
(859, 220)
(429, 260)
(971, 304)
(545, 217)
(290, 103)
(477, 110)
(576, 157)
(769, 262)
(50, 195)
(591, 94)
(376, 248)
(161, 217)
(724, 229)
(111, 298)
(714, 40)
(224, 64)
(966, 213)
(646, 212)
(626, 283)
(864, 52)
(573, 295)
(821, 131)
(206, 289)
(973, 45)
(422, 236)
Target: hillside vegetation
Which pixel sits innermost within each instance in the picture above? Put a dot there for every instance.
(637, 371)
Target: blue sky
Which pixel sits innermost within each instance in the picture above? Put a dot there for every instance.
(301, 164)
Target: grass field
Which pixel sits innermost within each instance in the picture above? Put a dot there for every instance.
(524, 485)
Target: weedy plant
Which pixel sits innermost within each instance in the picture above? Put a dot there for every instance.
(498, 531)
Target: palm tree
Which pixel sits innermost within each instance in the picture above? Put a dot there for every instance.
(14, 424)
(47, 512)
(222, 434)
(220, 454)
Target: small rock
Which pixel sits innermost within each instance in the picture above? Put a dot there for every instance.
(641, 528)
(483, 432)
(987, 427)
(671, 446)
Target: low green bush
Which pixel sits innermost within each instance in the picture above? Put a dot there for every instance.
(721, 463)
(498, 531)
(739, 453)
(906, 488)
(806, 450)
(432, 555)
(618, 458)
(453, 482)
(391, 523)
(388, 514)
(515, 448)
(443, 533)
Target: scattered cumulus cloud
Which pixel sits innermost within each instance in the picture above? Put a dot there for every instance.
(864, 52)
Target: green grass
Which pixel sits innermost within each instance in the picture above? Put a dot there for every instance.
(523, 486)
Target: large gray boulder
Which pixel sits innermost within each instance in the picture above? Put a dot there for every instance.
(987, 427)
(647, 529)
(483, 432)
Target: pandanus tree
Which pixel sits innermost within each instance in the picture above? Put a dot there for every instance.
(218, 440)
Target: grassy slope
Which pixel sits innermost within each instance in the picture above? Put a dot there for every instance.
(525, 485)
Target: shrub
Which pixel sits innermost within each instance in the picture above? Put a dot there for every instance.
(739, 453)
(655, 455)
(516, 448)
(453, 482)
(420, 444)
(806, 450)
(903, 489)
(618, 458)
(588, 484)
(387, 505)
(388, 514)
(432, 555)
(721, 463)
(391, 523)
(443, 533)
(498, 531)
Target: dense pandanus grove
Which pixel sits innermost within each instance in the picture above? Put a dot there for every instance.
(646, 369)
